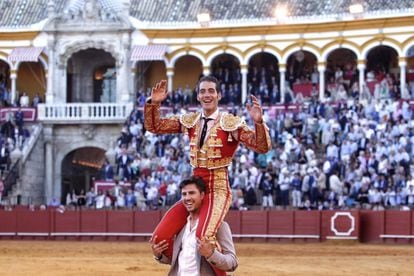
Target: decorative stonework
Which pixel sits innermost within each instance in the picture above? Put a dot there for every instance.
(66, 51)
(88, 131)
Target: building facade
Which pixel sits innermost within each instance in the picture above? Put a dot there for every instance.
(87, 59)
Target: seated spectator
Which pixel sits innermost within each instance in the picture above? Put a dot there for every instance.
(54, 202)
(5, 160)
(24, 100)
(36, 100)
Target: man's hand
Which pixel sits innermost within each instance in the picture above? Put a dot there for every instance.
(158, 248)
(255, 110)
(205, 247)
(159, 92)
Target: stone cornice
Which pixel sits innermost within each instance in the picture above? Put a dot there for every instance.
(359, 24)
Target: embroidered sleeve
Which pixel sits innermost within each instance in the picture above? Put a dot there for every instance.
(257, 140)
(155, 124)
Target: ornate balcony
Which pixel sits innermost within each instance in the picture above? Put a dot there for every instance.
(84, 113)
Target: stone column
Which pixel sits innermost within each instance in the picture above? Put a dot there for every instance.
(243, 71)
(170, 77)
(403, 73)
(51, 71)
(134, 88)
(123, 71)
(13, 78)
(206, 70)
(282, 76)
(321, 70)
(49, 163)
(59, 95)
(361, 68)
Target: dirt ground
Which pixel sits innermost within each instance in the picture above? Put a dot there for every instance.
(134, 258)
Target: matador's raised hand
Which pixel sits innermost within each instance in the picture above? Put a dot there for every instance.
(159, 92)
(255, 110)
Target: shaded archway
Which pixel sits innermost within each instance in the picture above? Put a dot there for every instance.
(299, 68)
(410, 70)
(148, 73)
(31, 80)
(187, 72)
(4, 80)
(383, 71)
(382, 60)
(79, 168)
(226, 68)
(263, 77)
(341, 68)
(86, 73)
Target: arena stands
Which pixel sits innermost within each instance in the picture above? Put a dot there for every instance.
(354, 151)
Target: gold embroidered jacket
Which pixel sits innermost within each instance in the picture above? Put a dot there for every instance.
(221, 141)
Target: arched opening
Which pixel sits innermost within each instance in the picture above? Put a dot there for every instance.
(410, 71)
(91, 77)
(4, 82)
(263, 78)
(341, 74)
(79, 169)
(187, 72)
(226, 68)
(382, 72)
(148, 73)
(300, 66)
(31, 80)
(104, 85)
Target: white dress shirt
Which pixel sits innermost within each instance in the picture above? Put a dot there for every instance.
(189, 258)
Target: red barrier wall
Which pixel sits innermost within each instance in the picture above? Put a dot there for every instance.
(233, 218)
(372, 226)
(33, 222)
(281, 223)
(8, 221)
(365, 226)
(340, 225)
(307, 223)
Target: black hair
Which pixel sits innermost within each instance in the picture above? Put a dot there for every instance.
(198, 181)
(209, 79)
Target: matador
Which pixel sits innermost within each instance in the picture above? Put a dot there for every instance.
(214, 137)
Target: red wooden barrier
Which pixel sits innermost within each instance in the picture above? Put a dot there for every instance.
(93, 224)
(253, 224)
(397, 227)
(33, 223)
(366, 226)
(342, 225)
(307, 223)
(281, 224)
(372, 226)
(233, 219)
(145, 222)
(120, 221)
(67, 222)
(8, 223)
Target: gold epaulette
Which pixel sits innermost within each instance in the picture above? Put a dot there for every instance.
(229, 122)
(189, 119)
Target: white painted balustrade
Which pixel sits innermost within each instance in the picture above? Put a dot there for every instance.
(84, 112)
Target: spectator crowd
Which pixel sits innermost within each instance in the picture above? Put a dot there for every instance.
(352, 151)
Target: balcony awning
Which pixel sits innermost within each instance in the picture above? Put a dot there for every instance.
(25, 54)
(148, 52)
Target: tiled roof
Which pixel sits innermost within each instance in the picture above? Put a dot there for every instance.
(19, 13)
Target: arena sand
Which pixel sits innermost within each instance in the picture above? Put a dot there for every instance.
(134, 258)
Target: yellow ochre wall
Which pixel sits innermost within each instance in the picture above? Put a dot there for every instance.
(31, 79)
(187, 71)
